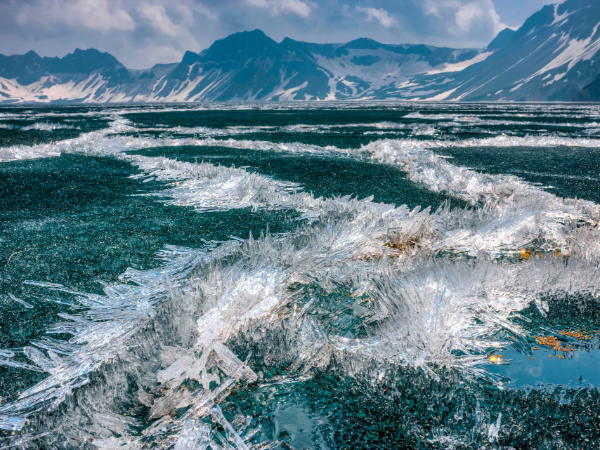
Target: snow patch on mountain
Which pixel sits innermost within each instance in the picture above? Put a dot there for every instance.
(575, 50)
(457, 67)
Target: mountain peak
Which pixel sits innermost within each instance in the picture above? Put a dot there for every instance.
(83, 61)
(363, 44)
(240, 46)
(190, 58)
(541, 18)
(255, 32)
(88, 51)
(502, 39)
(290, 41)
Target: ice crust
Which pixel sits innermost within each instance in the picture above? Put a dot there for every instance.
(48, 126)
(420, 314)
(513, 214)
(430, 290)
(534, 213)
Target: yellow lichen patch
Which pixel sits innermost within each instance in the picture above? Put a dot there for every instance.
(553, 343)
(526, 254)
(578, 334)
(402, 246)
(399, 248)
(369, 256)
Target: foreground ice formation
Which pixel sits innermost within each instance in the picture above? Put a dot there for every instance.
(409, 311)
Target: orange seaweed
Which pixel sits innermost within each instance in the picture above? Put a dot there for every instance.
(526, 254)
(553, 343)
(578, 334)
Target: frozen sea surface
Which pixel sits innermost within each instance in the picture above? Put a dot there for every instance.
(305, 276)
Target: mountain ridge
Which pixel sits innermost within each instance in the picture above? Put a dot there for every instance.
(241, 67)
(550, 58)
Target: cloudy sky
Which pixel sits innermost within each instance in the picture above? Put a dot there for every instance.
(141, 33)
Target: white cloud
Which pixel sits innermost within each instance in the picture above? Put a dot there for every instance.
(431, 7)
(176, 21)
(465, 14)
(498, 24)
(203, 10)
(100, 15)
(276, 7)
(380, 14)
(188, 9)
(157, 15)
(113, 15)
(157, 53)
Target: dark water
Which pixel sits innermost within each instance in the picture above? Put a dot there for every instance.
(87, 216)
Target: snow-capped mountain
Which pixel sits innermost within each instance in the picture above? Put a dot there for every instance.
(244, 67)
(551, 57)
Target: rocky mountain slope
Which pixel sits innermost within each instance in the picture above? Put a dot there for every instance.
(550, 58)
(245, 66)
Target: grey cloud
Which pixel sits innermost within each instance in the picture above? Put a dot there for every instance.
(141, 33)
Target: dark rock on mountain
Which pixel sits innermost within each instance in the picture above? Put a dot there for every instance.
(502, 40)
(590, 93)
